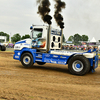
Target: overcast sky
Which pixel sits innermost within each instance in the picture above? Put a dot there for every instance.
(80, 16)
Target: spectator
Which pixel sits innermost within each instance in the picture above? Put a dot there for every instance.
(89, 49)
(94, 48)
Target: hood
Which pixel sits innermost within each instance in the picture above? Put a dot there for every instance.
(23, 41)
(26, 43)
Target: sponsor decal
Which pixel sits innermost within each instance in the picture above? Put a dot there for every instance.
(39, 55)
(16, 56)
(38, 60)
(55, 56)
(48, 61)
(17, 47)
(62, 57)
(53, 62)
(47, 55)
(59, 62)
(62, 52)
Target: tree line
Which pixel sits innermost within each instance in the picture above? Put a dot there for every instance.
(4, 34)
(16, 37)
(77, 38)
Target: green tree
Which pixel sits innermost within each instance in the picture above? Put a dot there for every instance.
(4, 34)
(16, 37)
(77, 38)
(71, 38)
(25, 37)
(39, 35)
(85, 38)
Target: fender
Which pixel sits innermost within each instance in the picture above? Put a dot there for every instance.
(75, 54)
(18, 53)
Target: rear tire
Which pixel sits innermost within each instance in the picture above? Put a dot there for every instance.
(27, 60)
(79, 65)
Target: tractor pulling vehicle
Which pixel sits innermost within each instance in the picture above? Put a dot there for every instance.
(45, 46)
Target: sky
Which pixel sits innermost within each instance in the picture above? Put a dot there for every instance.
(80, 16)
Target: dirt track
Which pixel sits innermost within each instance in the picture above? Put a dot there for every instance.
(46, 82)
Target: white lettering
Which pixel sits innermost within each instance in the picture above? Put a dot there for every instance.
(16, 56)
(53, 62)
(55, 56)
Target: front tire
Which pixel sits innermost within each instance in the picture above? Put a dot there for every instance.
(27, 60)
(79, 65)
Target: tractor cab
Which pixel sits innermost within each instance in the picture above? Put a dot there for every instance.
(45, 38)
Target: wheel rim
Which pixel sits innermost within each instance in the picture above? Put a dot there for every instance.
(77, 66)
(26, 60)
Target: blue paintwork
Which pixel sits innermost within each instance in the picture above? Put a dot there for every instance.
(31, 27)
(21, 42)
(91, 61)
(78, 66)
(52, 58)
(42, 57)
(26, 60)
(18, 53)
(96, 60)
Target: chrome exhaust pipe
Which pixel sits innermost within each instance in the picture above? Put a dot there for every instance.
(61, 38)
(48, 38)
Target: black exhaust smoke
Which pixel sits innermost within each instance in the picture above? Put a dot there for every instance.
(43, 10)
(58, 17)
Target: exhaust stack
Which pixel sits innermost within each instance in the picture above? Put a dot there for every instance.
(61, 37)
(48, 38)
